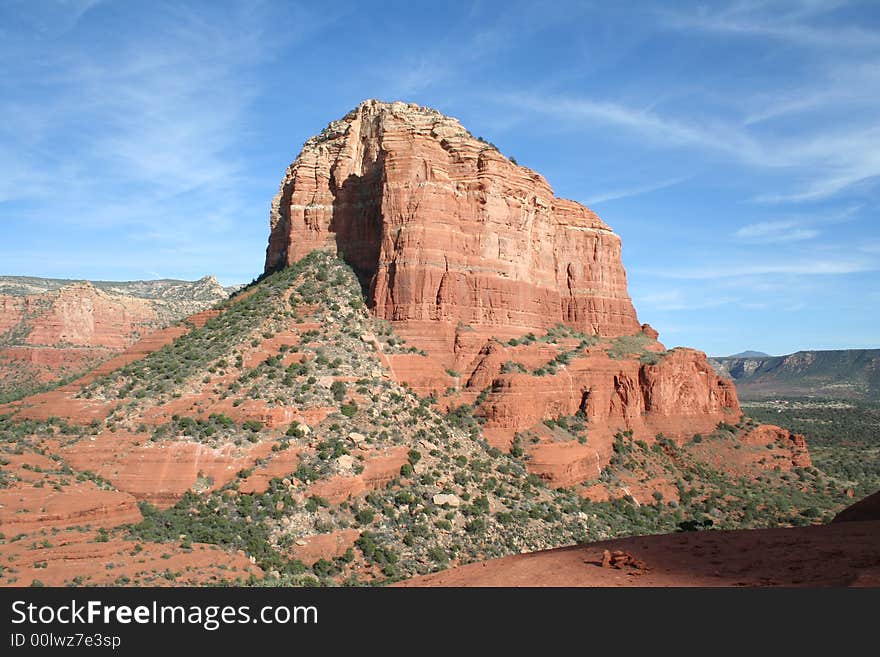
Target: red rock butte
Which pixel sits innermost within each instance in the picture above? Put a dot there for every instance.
(462, 249)
(441, 226)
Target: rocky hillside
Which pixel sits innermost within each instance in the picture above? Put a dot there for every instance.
(269, 440)
(845, 373)
(53, 329)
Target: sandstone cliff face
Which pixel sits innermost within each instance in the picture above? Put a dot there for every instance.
(81, 315)
(679, 396)
(440, 226)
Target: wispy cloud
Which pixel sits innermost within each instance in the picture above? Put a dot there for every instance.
(51, 18)
(638, 190)
(795, 228)
(835, 84)
(829, 160)
(791, 22)
(678, 300)
(141, 137)
(837, 163)
(835, 146)
(803, 267)
(643, 121)
(776, 231)
(435, 64)
(160, 115)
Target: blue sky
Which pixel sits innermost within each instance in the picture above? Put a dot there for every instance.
(735, 147)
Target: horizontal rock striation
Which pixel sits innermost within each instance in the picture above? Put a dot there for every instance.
(440, 226)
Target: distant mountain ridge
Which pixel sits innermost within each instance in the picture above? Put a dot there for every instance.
(162, 288)
(844, 373)
(52, 329)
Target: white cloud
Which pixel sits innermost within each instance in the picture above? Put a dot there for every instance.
(802, 267)
(162, 114)
(835, 84)
(145, 130)
(676, 299)
(51, 18)
(645, 122)
(638, 190)
(827, 159)
(776, 231)
(791, 22)
(140, 138)
(835, 95)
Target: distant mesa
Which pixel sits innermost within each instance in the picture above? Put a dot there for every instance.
(835, 374)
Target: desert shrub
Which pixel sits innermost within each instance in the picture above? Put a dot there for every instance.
(365, 516)
(338, 390)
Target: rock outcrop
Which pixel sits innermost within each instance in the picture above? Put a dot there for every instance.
(440, 226)
(462, 249)
(678, 396)
(865, 509)
(793, 445)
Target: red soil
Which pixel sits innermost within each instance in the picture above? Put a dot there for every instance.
(378, 471)
(325, 546)
(101, 563)
(844, 554)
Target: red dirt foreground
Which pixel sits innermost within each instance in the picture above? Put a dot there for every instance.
(840, 554)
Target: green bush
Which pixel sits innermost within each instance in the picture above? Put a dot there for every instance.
(365, 516)
(349, 410)
(338, 389)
